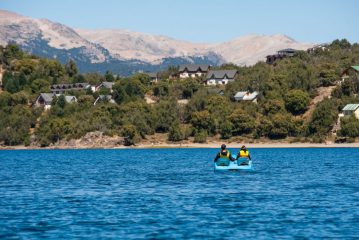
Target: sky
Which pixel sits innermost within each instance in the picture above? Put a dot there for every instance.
(206, 21)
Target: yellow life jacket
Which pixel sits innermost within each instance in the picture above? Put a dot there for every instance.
(225, 156)
(243, 153)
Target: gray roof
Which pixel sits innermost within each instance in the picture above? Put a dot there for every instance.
(107, 84)
(251, 96)
(70, 99)
(240, 94)
(288, 50)
(351, 107)
(47, 97)
(152, 74)
(107, 98)
(246, 96)
(194, 67)
(70, 85)
(221, 74)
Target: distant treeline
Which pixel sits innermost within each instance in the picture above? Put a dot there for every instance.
(286, 89)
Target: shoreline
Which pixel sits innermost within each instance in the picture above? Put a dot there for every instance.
(192, 145)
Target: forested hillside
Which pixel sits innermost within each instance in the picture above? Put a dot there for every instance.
(286, 88)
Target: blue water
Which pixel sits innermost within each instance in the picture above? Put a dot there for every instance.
(174, 193)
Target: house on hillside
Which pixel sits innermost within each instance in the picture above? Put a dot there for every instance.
(104, 85)
(45, 99)
(69, 99)
(104, 98)
(193, 70)
(65, 87)
(216, 77)
(288, 52)
(323, 47)
(246, 96)
(352, 71)
(153, 77)
(350, 109)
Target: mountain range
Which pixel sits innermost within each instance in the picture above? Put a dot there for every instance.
(125, 52)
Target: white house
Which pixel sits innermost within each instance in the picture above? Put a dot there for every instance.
(246, 96)
(68, 99)
(322, 46)
(45, 99)
(104, 98)
(215, 77)
(193, 70)
(351, 109)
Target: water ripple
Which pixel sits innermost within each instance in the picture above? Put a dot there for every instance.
(174, 193)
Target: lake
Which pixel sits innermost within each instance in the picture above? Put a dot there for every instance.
(174, 193)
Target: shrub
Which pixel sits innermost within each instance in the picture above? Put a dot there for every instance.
(296, 101)
(200, 137)
(175, 133)
(130, 134)
(350, 127)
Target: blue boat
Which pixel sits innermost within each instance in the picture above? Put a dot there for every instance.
(240, 164)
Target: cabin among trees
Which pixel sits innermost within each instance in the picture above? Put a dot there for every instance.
(351, 72)
(193, 70)
(220, 77)
(103, 85)
(318, 47)
(246, 96)
(351, 110)
(104, 99)
(45, 100)
(288, 52)
(153, 77)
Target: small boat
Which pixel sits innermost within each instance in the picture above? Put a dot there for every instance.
(240, 164)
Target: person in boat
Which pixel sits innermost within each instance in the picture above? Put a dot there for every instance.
(224, 153)
(244, 153)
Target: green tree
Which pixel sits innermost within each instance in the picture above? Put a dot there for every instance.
(175, 134)
(109, 76)
(280, 127)
(242, 122)
(11, 82)
(130, 134)
(200, 137)
(349, 127)
(226, 129)
(5, 99)
(328, 76)
(40, 86)
(166, 113)
(202, 121)
(71, 68)
(323, 118)
(296, 101)
(20, 98)
(273, 106)
(61, 101)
